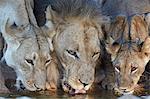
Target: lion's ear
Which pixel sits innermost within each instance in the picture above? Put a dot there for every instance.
(52, 17)
(146, 44)
(118, 27)
(112, 48)
(51, 20)
(10, 31)
(147, 19)
(139, 27)
(146, 47)
(115, 28)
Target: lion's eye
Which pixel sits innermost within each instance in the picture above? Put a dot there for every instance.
(96, 53)
(117, 68)
(133, 68)
(47, 61)
(73, 53)
(29, 61)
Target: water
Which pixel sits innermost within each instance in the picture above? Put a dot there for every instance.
(99, 94)
(60, 95)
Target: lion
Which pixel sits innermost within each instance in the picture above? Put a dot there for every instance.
(129, 46)
(77, 41)
(127, 40)
(28, 47)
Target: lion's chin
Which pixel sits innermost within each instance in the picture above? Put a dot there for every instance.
(22, 84)
(120, 92)
(67, 88)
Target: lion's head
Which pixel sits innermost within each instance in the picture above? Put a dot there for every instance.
(78, 49)
(129, 56)
(29, 58)
(77, 41)
(28, 48)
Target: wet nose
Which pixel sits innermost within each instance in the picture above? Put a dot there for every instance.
(84, 84)
(39, 89)
(123, 89)
(30, 82)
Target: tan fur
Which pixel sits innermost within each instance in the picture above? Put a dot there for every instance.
(28, 48)
(129, 56)
(84, 42)
(52, 74)
(77, 48)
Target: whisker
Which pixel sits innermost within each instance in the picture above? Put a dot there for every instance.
(139, 89)
(73, 78)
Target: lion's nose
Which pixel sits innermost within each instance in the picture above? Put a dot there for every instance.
(30, 82)
(123, 89)
(39, 89)
(84, 84)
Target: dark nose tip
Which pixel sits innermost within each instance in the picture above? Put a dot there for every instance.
(84, 84)
(123, 89)
(38, 89)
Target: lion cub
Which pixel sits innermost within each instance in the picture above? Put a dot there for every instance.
(129, 46)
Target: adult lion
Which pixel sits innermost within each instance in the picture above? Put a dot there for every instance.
(77, 42)
(28, 47)
(128, 41)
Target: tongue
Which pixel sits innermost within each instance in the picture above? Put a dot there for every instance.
(73, 91)
(82, 91)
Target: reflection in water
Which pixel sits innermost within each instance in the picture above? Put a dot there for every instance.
(133, 97)
(24, 97)
(32, 95)
(101, 94)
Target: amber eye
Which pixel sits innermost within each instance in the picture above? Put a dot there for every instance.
(29, 61)
(117, 68)
(48, 61)
(133, 68)
(73, 53)
(96, 53)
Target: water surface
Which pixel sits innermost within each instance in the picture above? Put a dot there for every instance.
(100, 94)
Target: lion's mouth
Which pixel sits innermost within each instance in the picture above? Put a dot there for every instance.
(73, 91)
(122, 92)
(23, 86)
(136, 90)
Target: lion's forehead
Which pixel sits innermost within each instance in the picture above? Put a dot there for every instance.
(80, 36)
(42, 55)
(128, 58)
